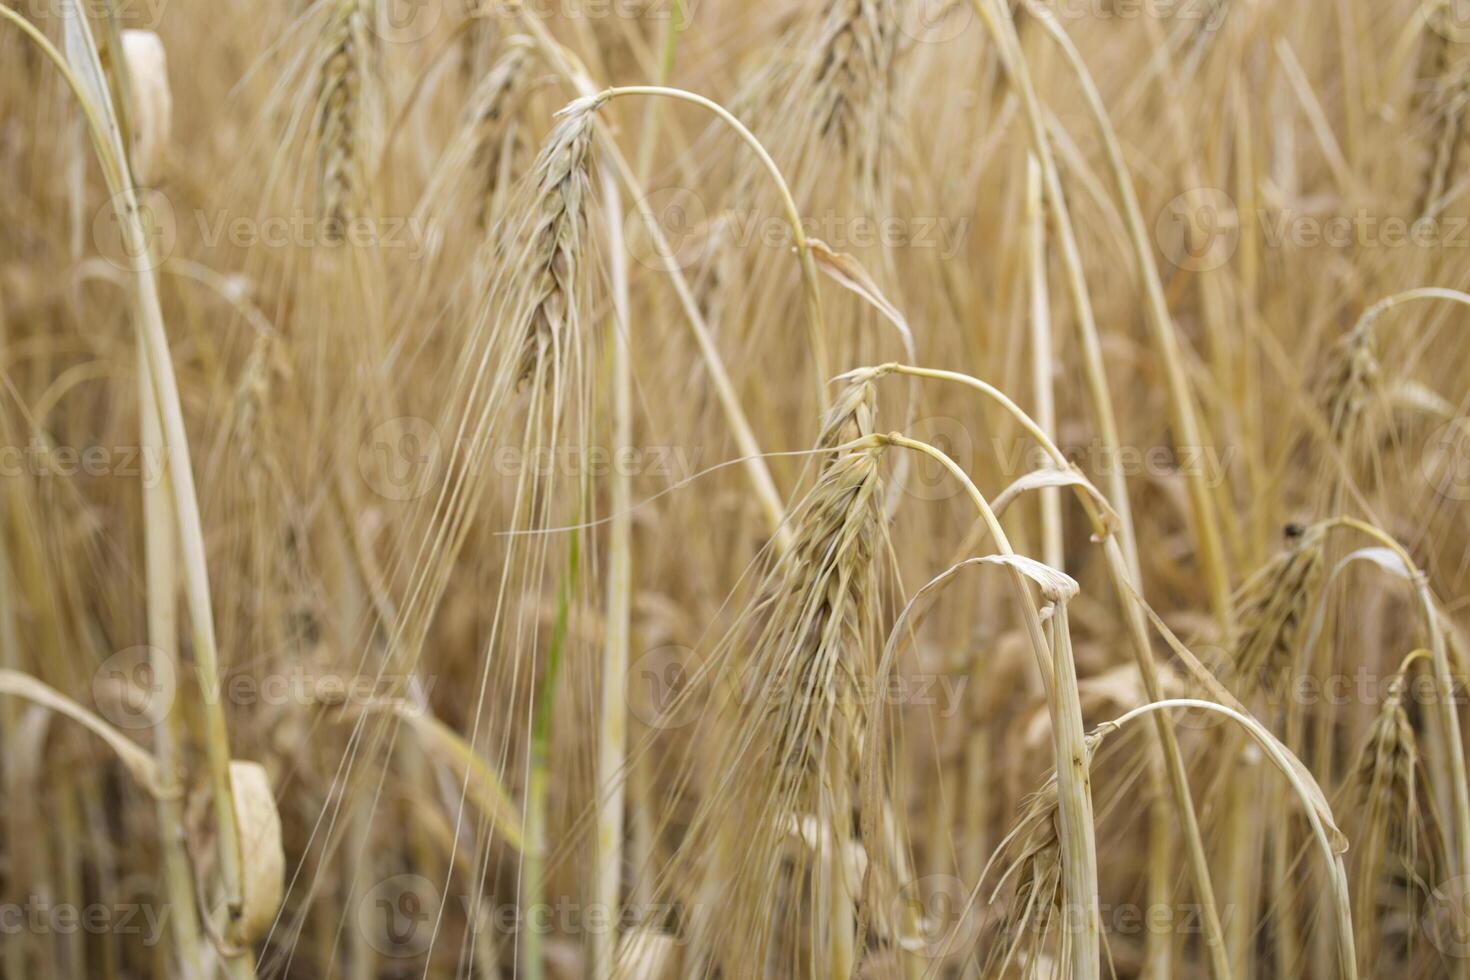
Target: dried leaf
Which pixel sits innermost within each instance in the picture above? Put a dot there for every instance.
(262, 858)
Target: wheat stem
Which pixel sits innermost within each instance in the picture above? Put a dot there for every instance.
(1447, 713)
(1079, 852)
(1127, 588)
(612, 721)
(1311, 801)
(186, 504)
(812, 296)
(1162, 330)
(753, 459)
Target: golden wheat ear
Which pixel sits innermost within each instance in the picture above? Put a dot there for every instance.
(1273, 607)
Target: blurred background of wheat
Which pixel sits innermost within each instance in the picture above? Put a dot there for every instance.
(461, 519)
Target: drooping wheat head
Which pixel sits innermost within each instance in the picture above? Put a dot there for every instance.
(1399, 846)
(800, 662)
(1273, 605)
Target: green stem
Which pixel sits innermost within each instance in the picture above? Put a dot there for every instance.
(539, 776)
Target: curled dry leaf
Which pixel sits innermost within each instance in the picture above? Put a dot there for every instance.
(1055, 477)
(849, 273)
(138, 762)
(1055, 586)
(262, 858)
(152, 102)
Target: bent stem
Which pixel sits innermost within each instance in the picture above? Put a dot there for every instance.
(1295, 775)
(1059, 674)
(754, 461)
(1127, 587)
(1099, 391)
(810, 288)
(149, 318)
(1449, 718)
(1162, 334)
(1372, 313)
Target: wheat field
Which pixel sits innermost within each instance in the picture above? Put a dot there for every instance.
(653, 489)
